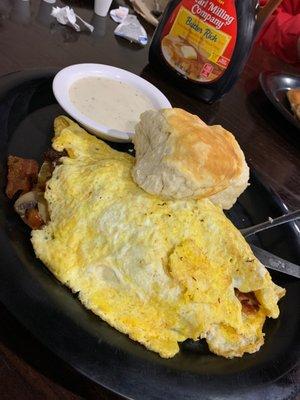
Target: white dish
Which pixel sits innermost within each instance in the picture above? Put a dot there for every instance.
(67, 76)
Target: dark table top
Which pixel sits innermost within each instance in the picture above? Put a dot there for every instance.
(29, 38)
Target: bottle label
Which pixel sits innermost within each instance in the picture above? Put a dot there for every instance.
(199, 38)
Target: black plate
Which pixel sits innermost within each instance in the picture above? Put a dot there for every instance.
(276, 85)
(57, 318)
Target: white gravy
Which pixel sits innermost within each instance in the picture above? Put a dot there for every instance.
(112, 103)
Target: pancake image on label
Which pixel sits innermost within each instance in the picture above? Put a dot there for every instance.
(186, 58)
(160, 271)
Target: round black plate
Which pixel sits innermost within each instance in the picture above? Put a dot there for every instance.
(57, 318)
(276, 85)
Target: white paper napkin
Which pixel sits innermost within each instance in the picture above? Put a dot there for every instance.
(67, 16)
(119, 14)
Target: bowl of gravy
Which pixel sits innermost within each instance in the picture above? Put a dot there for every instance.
(106, 100)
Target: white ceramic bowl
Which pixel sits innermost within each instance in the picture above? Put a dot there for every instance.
(67, 76)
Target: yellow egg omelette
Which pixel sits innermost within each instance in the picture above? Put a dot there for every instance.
(159, 271)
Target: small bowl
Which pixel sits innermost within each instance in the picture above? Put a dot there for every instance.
(67, 76)
(276, 86)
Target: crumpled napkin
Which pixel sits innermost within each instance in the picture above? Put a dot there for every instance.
(132, 30)
(67, 16)
(119, 14)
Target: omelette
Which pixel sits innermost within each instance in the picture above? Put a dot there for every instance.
(160, 271)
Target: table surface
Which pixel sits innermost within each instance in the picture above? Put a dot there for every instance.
(29, 38)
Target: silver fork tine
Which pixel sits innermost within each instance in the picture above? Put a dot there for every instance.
(293, 216)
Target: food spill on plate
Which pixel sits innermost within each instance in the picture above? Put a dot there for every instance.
(109, 102)
(157, 269)
(293, 96)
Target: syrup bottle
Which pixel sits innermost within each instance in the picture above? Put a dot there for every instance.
(203, 45)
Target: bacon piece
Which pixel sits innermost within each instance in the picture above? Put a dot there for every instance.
(248, 300)
(53, 155)
(22, 175)
(33, 218)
